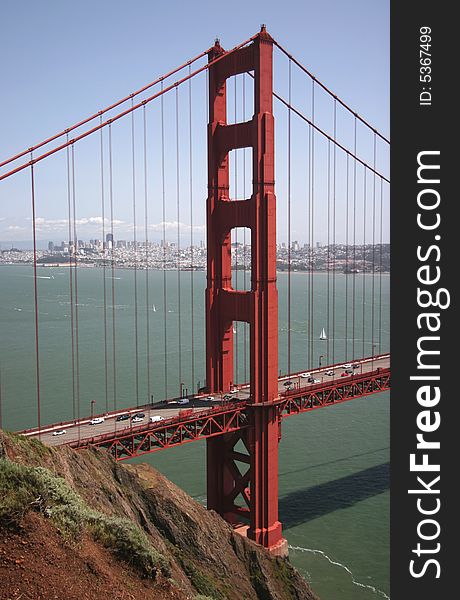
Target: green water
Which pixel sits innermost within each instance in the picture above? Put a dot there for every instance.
(334, 473)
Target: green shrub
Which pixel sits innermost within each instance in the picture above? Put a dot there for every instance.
(24, 488)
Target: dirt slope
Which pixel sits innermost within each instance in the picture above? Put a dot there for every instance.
(77, 525)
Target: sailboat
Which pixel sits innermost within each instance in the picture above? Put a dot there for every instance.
(154, 308)
(322, 335)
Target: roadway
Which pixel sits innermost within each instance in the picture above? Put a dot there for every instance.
(83, 428)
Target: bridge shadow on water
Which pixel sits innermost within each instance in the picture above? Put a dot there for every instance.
(310, 503)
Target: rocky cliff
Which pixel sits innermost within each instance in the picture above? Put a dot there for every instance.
(77, 525)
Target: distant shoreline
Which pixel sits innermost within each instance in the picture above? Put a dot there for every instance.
(140, 268)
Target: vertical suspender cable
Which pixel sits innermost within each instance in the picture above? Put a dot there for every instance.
(364, 259)
(112, 259)
(312, 226)
(380, 265)
(328, 259)
(165, 292)
(104, 282)
(179, 319)
(75, 248)
(334, 230)
(192, 266)
(309, 250)
(72, 334)
(354, 251)
(373, 250)
(147, 259)
(136, 331)
(347, 268)
(289, 224)
(245, 325)
(37, 345)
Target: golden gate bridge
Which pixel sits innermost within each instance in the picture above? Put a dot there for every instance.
(343, 192)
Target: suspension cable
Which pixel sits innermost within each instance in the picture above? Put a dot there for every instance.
(354, 250)
(364, 260)
(72, 335)
(165, 292)
(312, 221)
(102, 112)
(328, 259)
(347, 268)
(36, 308)
(125, 112)
(179, 318)
(334, 231)
(373, 253)
(112, 257)
(147, 259)
(136, 331)
(192, 266)
(380, 266)
(354, 113)
(245, 324)
(289, 224)
(104, 284)
(75, 249)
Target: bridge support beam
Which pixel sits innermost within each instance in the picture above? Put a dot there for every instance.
(258, 485)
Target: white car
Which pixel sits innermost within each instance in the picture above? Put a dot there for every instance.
(183, 401)
(156, 418)
(305, 375)
(209, 399)
(329, 373)
(346, 366)
(137, 419)
(59, 432)
(97, 421)
(234, 391)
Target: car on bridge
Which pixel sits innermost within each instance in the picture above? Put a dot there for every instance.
(305, 375)
(124, 417)
(138, 417)
(97, 421)
(183, 401)
(329, 373)
(156, 418)
(59, 432)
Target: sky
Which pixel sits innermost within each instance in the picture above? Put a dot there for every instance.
(65, 60)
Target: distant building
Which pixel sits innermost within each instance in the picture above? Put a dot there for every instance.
(51, 246)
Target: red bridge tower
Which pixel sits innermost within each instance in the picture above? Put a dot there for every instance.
(250, 473)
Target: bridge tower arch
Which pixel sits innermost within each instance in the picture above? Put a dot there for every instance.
(258, 483)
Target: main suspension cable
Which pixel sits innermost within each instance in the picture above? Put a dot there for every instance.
(103, 111)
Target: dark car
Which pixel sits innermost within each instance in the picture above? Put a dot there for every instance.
(124, 417)
(138, 416)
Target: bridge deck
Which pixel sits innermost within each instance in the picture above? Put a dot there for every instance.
(81, 433)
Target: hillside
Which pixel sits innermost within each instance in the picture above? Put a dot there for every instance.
(77, 525)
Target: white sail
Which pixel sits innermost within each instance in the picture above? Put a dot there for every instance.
(322, 335)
